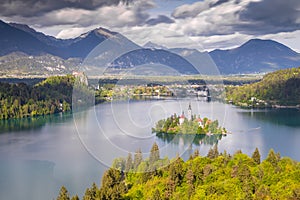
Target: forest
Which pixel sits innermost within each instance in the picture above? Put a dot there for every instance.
(215, 176)
(53, 95)
(278, 88)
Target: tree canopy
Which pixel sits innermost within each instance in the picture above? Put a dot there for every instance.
(278, 88)
(219, 176)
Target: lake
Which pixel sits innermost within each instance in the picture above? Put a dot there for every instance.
(38, 156)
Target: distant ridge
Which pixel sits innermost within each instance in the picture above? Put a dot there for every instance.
(254, 56)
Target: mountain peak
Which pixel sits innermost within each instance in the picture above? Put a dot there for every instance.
(256, 55)
(151, 45)
(259, 42)
(104, 32)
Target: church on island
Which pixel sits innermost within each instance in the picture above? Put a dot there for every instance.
(189, 124)
(189, 117)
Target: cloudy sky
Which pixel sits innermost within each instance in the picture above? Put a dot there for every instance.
(205, 25)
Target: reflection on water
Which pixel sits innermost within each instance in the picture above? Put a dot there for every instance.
(19, 178)
(31, 123)
(190, 139)
(38, 155)
(287, 117)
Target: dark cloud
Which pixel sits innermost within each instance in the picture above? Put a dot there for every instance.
(29, 8)
(194, 9)
(120, 15)
(161, 19)
(270, 16)
(218, 3)
(225, 17)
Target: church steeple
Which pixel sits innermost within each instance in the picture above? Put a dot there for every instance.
(189, 116)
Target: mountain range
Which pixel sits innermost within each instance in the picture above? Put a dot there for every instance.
(20, 41)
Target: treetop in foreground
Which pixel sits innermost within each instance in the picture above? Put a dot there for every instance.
(217, 176)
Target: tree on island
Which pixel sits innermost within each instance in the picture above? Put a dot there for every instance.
(192, 125)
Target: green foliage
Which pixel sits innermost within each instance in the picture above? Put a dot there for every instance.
(63, 194)
(156, 195)
(171, 125)
(213, 153)
(113, 185)
(50, 96)
(92, 193)
(256, 156)
(75, 197)
(154, 154)
(273, 158)
(220, 177)
(138, 158)
(129, 164)
(278, 88)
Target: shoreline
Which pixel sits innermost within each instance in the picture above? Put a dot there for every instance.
(270, 106)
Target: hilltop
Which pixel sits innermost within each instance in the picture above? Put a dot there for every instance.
(278, 88)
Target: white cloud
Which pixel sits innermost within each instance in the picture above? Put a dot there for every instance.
(190, 10)
(71, 32)
(107, 16)
(217, 20)
(291, 39)
(204, 25)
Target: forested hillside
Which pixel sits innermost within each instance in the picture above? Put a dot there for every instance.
(217, 176)
(278, 88)
(47, 97)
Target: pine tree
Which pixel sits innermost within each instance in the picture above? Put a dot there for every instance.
(273, 158)
(128, 165)
(190, 178)
(207, 170)
(156, 195)
(256, 156)
(75, 197)
(87, 195)
(113, 185)
(138, 158)
(94, 190)
(63, 194)
(176, 171)
(154, 154)
(214, 152)
(196, 153)
(210, 153)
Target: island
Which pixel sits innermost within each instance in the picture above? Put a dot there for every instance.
(190, 124)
